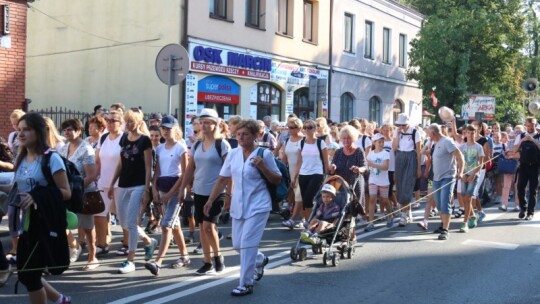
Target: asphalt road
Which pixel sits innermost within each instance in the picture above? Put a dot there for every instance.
(497, 262)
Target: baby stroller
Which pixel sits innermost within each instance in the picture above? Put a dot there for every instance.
(350, 206)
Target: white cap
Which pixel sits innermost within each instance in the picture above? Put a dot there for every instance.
(402, 120)
(209, 114)
(329, 188)
(377, 136)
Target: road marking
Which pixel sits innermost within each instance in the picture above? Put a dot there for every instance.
(486, 244)
(408, 236)
(190, 281)
(530, 224)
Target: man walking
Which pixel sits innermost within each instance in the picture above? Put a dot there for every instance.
(528, 146)
(447, 162)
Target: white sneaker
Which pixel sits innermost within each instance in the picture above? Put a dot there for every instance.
(127, 266)
(402, 221)
(74, 254)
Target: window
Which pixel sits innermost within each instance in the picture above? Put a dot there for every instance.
(285, 15)
(368, 43)
(386, 45)
(375, 109)
(253, 13)
(397, 107)
(302, 106)
(349, 33)
(402, 50)
(268, 101)
(346, 107)
(218, 9)
(308, 20)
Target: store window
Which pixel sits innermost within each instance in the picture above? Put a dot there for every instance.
(268, 101)
(219, 93)
(302, 107)
(346, 107)
(375, 109)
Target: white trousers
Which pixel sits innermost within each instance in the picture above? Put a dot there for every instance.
(246, 236)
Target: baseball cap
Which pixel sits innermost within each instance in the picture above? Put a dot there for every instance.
(329, 188)
(169, 121)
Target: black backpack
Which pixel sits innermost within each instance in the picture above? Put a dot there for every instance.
(529, 153)
(76, 181)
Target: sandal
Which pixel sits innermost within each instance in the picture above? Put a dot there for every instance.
(91, 266)
(242, 290)
(459, 213)
(11, 257)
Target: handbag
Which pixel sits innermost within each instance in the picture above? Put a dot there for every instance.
(507, 165)
(93, 203)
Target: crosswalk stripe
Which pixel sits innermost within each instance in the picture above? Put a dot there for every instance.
(496, 245)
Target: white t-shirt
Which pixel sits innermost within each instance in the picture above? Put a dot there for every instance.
(377, 176)
(291, 150)
(169, 159)
(367, 142)
(406, 143)
(109, 156)
(311, 159)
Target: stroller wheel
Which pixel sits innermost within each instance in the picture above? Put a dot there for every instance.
(294, 254)
(286, 214)
(302, 252)
(335, 260)
(324, 258)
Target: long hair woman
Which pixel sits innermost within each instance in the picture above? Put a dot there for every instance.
(171, 159)
(133, 173)
(33, 140)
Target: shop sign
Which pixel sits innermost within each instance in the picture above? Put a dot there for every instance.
(213, 60)
(218, 89)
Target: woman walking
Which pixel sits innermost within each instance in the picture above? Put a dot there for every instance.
(171, 159)
(83, 156)
(133, 173)
(33, 140)
(207, 157)
(251, 203)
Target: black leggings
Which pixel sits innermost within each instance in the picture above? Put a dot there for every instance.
(391, 180)
(309, 186)
(30, 263)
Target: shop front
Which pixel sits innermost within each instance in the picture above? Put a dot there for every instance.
(237, 81)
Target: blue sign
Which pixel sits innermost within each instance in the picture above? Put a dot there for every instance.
(219, 84)
(214, 56)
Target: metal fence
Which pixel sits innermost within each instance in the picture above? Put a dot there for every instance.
(59, 114)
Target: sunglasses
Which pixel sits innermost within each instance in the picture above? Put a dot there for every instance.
(292, 127)
(112, 120)
(136, 110)
(309, 128)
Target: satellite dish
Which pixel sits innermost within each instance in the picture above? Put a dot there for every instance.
(530, 85)
(534, 107)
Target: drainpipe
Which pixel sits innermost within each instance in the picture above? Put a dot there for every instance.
(183, 42)
(330, 56)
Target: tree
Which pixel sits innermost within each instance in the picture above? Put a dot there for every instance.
(466, 47)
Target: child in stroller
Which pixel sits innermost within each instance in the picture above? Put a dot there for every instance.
(325, 218)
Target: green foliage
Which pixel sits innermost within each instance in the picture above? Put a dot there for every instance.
(466, 47)
(510, 112)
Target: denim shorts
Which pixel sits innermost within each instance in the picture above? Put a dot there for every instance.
(443, 191)
(467, 189)
(171, 212)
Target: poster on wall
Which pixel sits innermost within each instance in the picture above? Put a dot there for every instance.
(191, 99)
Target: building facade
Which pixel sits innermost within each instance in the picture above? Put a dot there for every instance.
(12, 60)
(84, 53)
(253, 58)
(258, 58)
(369, 60)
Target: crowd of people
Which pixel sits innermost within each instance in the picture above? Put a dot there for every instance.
(215, 171)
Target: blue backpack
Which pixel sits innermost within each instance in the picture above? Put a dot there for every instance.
(280, 191)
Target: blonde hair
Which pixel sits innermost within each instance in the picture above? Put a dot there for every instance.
(54, 137)
(296, 121)
(17, 114)
(349, 130)
(321, 121)
(138, 118)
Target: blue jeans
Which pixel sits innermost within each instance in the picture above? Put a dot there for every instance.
(442, 194)
(467, 188)
(128, 208)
